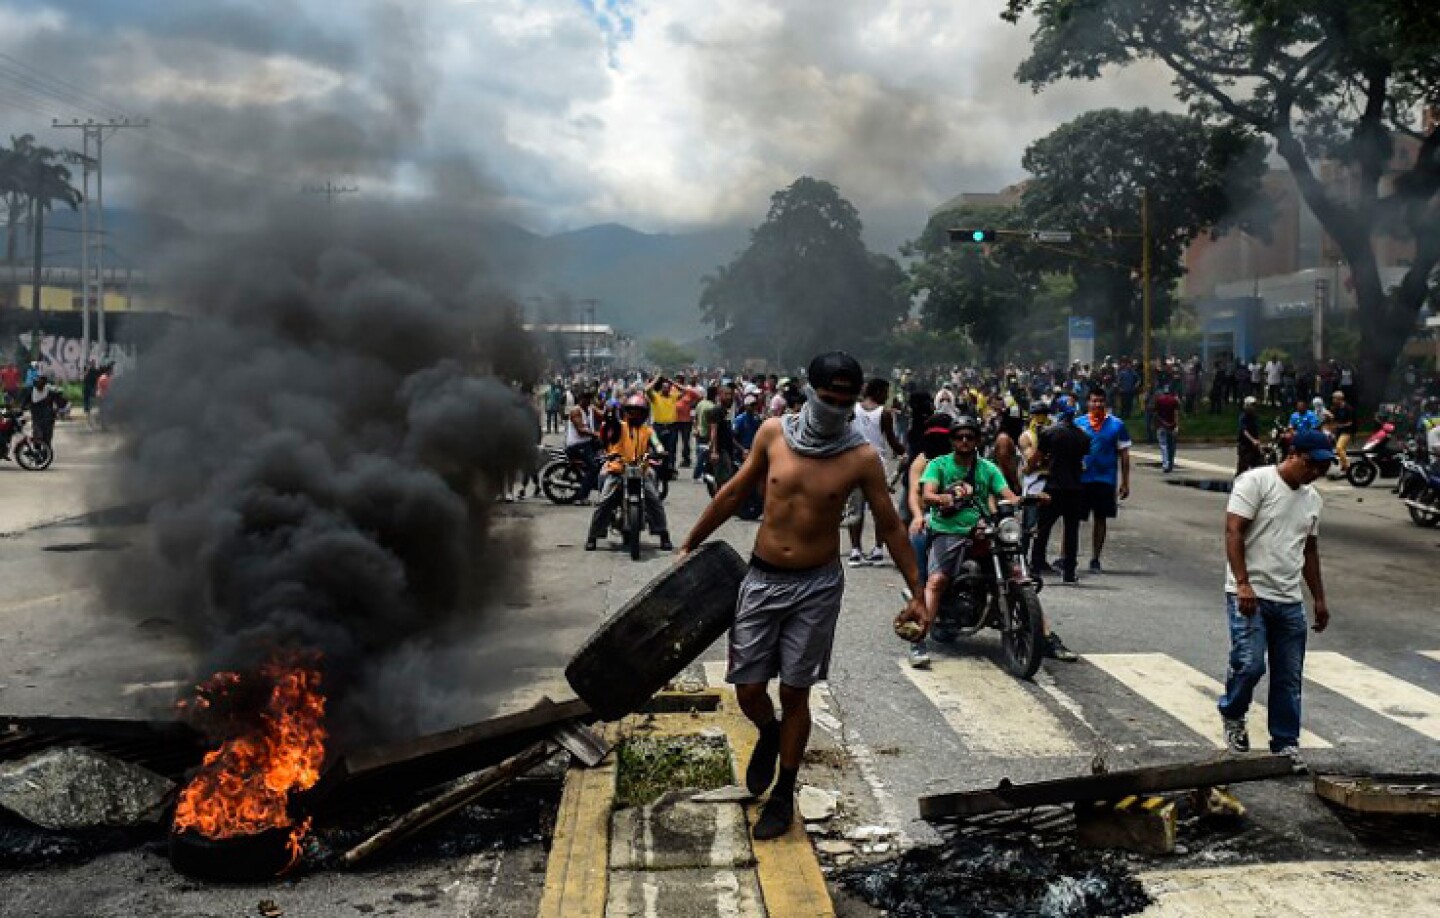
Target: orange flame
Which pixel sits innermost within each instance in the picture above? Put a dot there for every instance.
(244, 786)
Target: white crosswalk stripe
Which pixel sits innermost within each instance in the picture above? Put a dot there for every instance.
(1183, 692)
(1403, 702)
(1432, 654)
(991, 711)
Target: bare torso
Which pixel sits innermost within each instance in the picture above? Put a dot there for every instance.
(804, 502)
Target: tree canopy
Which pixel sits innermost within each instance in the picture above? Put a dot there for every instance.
(980, 291)
(806, 282)
(1088, 177)
(667, 355)
(1344, 80)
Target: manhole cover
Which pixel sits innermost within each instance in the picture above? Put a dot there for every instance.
(87, 546)
(1202, 484)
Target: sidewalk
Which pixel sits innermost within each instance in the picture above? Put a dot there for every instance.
(679, 857)
(1338, 889)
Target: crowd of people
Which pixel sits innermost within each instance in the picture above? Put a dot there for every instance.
(920, 455)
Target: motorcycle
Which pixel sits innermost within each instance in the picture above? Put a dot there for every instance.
(1378, 458)
(1419, 490)
(629, 516)
(1274, 450)
(29, 453)
(562, 476)
(994, 589)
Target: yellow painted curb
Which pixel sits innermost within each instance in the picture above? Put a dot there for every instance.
(576, 875)
(790, 877)
(577, 871)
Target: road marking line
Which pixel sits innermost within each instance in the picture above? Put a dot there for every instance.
(135, 688)
(1432, 654)
(1181, 691)
(990, 710)
(1403, 702)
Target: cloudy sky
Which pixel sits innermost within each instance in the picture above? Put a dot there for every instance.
(662, 114)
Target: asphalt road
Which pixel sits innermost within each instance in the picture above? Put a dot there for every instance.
(1151, 631)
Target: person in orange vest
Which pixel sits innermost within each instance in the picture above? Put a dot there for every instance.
(632, 442)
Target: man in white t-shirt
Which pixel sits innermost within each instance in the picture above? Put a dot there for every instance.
(1274, 373)
(1272, 527)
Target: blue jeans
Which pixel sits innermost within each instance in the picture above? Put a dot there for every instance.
(921, 544)
(702, 459)
(1276, 628)
(1168, 444)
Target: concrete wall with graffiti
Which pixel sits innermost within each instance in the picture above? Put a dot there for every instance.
(63, 359)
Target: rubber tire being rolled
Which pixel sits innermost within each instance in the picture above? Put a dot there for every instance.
(660, 631)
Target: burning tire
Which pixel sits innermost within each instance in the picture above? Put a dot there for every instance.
(658, 632)
(239, 859)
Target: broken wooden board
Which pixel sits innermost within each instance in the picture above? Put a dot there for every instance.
(439, 757)
(1399, 795)
(1114, 785)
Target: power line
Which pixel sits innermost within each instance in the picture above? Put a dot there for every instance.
(71, 87)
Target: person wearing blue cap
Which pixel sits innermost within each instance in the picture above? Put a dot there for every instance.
(1272, 527)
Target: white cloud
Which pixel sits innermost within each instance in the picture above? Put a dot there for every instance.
(659, 113)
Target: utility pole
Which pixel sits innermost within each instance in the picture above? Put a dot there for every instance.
(1145, 282)
(95, 134)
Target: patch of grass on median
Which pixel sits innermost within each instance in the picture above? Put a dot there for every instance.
(651, 766)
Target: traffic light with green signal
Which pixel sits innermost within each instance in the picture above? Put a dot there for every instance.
(977, 236)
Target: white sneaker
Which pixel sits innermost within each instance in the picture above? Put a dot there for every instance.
(877, 556)
(856, 558)
(919, 656)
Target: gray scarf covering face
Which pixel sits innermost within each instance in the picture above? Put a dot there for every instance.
(820, 430)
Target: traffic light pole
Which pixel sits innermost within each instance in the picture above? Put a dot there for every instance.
(1145, 282)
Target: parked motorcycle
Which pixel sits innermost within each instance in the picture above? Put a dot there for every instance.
(561, 476)
(1419, 490)
(29, 453)
(994, 589)
(1378, 458)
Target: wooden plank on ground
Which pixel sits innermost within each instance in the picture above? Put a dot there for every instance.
(1111, 786)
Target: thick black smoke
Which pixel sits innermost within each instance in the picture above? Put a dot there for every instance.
(319, 443)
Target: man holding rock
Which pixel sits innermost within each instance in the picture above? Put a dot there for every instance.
(789, 602)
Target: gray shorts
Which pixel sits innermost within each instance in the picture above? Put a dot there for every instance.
(785, 626)
(947, 553)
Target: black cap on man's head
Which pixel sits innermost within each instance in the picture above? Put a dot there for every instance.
(836, 370)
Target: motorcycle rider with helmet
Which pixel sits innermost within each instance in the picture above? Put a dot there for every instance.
(631, 442)
(947, 482)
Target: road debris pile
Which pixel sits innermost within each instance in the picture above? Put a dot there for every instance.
(998, 878)
(68, 803)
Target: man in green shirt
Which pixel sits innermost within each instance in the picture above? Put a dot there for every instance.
(947, 482)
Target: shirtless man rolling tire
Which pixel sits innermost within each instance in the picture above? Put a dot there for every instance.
(790, 599)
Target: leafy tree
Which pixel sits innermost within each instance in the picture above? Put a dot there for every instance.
(968, 290)
(1089, 175)
(32, 180)
(1343, 79)
(805, 283)
(911, 346)
(667, 355)
(983, 292)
